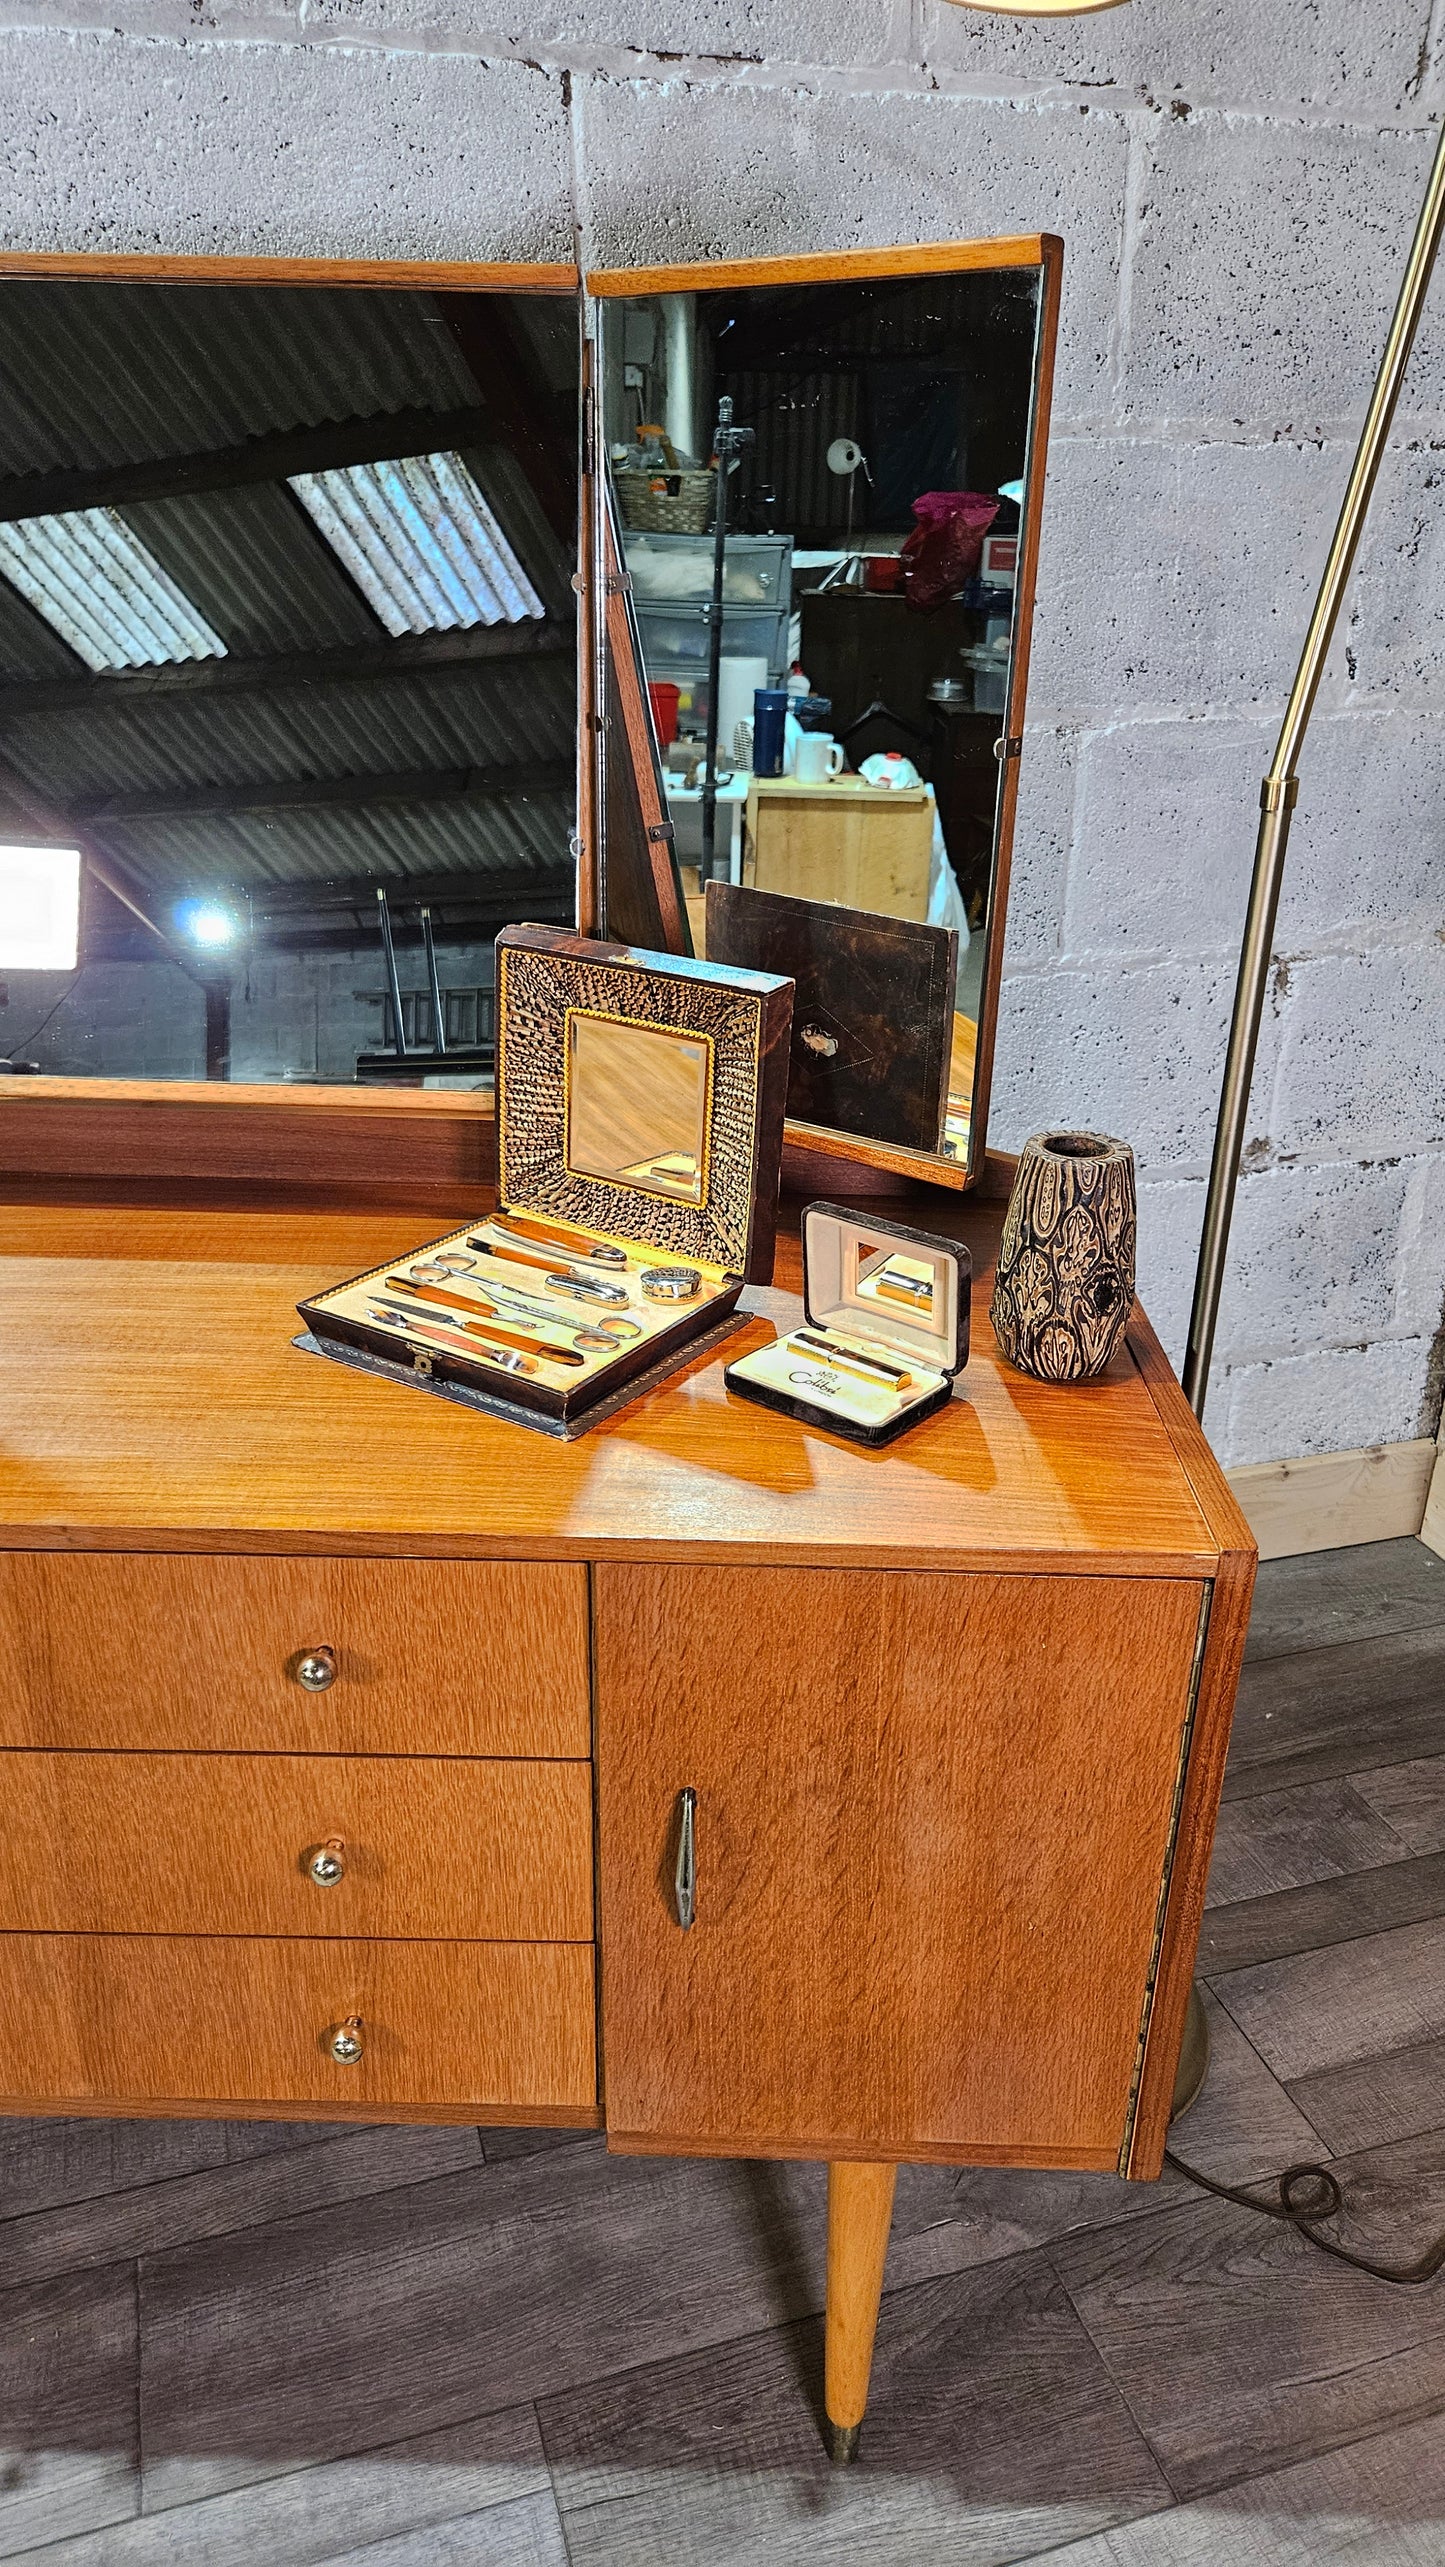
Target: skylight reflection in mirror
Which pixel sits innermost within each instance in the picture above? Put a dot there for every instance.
(421, 542)
(104, 592)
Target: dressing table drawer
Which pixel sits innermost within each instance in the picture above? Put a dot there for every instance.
(392, 1846)
(328, 1656)
(156, 2019)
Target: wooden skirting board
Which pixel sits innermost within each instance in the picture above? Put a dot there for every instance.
(1326, 1501)
(1432, 1530)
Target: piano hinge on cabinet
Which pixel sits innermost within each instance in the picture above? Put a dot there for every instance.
(1186, 1741)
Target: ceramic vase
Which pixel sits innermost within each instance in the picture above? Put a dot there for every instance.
(1065, 1282)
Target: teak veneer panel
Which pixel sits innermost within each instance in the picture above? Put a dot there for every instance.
(89, 2019)
(933, 1817)
(405, 1140)
(151, 1398)
(433, 1847)
(824, 267)
(433, 1657)
(425, 276)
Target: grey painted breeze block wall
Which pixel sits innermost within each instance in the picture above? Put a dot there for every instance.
(1235, 185)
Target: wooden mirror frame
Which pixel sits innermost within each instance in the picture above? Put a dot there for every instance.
(1043, 251)
(412, 1141)
(409, 1143)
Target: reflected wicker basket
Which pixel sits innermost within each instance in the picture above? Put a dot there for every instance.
(687, 511)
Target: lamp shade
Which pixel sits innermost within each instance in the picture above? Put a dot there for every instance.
(1038, 8)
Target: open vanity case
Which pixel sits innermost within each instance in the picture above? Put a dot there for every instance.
(712, 1780)
(886, 1335)
(639, 1121)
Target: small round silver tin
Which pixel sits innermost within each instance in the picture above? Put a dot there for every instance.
(671, 1283)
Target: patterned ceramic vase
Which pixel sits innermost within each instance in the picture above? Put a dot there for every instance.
(1065, 1283)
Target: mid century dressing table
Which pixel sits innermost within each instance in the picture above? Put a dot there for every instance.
(346, 1735)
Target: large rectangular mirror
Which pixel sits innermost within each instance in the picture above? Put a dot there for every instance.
(818, 491)
(288, 654)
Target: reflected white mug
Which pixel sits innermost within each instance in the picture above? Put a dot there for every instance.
(818, 758)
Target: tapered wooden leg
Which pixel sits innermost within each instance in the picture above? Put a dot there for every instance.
(860, 2209)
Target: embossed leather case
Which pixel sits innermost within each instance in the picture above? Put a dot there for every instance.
(639, 1135)
(604, 1049)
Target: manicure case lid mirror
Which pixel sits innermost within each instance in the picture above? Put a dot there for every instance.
(905, 1290)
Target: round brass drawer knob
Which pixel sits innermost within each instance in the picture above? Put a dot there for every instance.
(346, 2044)
(326, 1864)
(315, 1669)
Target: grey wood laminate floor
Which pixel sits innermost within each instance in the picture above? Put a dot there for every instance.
(266, 2346)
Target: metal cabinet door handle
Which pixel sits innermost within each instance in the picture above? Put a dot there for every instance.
(684, 1879)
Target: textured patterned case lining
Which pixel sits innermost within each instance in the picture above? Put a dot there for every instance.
(535, 994)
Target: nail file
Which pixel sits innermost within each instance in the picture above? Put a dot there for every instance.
(498, 1334)
(593, 1252)
(502, 1301)
(506, 1302)
(557, 1270)
(515, 1256)
(442, 1333)
(478, 1297)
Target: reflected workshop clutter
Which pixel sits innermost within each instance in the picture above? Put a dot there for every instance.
(820, 492)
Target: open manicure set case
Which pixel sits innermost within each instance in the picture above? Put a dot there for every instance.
(640, 1104)
(895, 1300)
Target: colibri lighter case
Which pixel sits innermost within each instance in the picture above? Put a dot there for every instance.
(639, 1134)
(886, 1331)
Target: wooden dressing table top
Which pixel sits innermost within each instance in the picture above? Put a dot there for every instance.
(151, 1399)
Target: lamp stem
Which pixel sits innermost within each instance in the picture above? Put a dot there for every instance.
(1280, 789)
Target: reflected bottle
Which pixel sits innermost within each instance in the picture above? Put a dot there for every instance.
(770, 730)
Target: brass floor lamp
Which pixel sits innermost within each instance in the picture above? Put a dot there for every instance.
(1278, 796)
(1280, 789)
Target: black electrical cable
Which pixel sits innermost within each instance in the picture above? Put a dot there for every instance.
(27, 1039)
(1328, 2201)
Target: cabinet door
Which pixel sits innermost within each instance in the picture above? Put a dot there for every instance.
(932, 1821)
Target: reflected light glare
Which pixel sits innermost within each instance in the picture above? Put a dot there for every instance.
(206, 924)
(39, 908)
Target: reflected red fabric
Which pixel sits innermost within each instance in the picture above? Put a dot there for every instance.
(942, 553)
